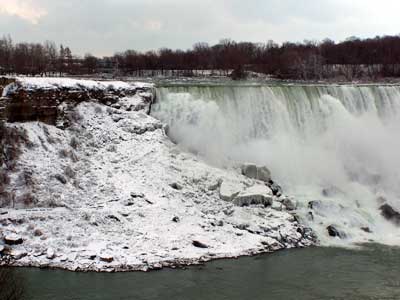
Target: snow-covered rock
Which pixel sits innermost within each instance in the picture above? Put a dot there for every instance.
(253, 171)
(106, 257)
(229, 190)
(50, 254)
(13, 239)
(257, 194)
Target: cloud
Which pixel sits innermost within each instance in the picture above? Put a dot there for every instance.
(103, 27)
(24, 9)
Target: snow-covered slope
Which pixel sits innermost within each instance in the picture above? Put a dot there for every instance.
(113, 193)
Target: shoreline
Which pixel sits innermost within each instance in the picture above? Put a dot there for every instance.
(181, 264)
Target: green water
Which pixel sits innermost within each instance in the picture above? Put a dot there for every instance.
(315, 273)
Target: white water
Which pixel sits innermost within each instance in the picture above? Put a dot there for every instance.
(344, 139)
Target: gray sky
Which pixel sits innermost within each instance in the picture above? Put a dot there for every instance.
(103, 27)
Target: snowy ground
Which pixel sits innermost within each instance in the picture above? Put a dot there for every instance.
(115, 194)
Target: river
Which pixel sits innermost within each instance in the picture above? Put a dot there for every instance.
(371, 272)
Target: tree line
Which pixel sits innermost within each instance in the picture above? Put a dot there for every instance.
(353, 58)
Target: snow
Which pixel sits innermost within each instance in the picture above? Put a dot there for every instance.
(115, 213)
(53, 83)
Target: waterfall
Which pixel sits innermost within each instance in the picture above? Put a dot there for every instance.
(336, 145)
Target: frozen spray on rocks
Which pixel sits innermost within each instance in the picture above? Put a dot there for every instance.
(335, 148)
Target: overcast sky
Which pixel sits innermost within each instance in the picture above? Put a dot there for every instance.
(103, 27)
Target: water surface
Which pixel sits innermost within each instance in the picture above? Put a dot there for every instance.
(314, 273)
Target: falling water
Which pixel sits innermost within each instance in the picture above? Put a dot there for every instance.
(337, 145)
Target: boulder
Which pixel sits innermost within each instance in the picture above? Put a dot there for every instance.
(289, 204)
(263, 174)
(199, 244)
(60, 178)
(18, 254)
(275, 188)
(50, 254)
(249, 170)
(315, 204)
(229, 190)
(2, 248)
(390, 214)
(334, 232)
(215, 186)
(176, 186)
(13, 239)
(277, 206)
(257, 194)
(255, 172)
(37, 232)
(175, 219)
(106, 258)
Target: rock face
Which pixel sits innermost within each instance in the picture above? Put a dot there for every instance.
(258, 194)
(255, 172)
(40, 99)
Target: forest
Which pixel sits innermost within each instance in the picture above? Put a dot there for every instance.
(354, 58)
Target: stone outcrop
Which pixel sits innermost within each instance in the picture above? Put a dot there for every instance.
(52, 103)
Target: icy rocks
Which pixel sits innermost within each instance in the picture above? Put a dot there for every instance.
(249, 170)
(18, 254)
(13, 239)
(334, 232)
(275, 188)
(255, 172)
(176, 186)
(37, 232)
(60, 178)
(258, 194)
(137, 195)
(390, 214)
(240, 196)
(229, 190)
(289, 204)
(198, 244)
(50, 254)
(105, 257)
